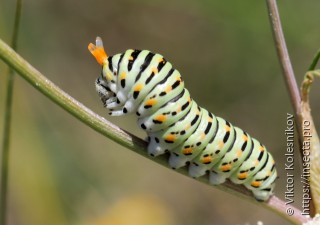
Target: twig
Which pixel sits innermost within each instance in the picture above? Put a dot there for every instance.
(298, 108)
(284, 56)
(120, 136)
(7, 123)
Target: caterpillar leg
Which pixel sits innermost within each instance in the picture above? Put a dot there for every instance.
(120, 106)
(112, 102)
(104, 91)
(266, 190)
(262, 195)
(127, 108)
(263, 182)
(177, 161)
(196, 170)
(234, 157)
(216, 178)
(108, 98)
(219, 142)
(154, 149)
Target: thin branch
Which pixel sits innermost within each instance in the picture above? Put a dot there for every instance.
(7, 122)
(284, 56)
(300, 112)
(120, 136)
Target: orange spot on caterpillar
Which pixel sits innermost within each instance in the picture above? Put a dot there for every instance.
(242, 176)
(170, 138)
(239, 153)
(150, 102)
(261, 148)
(225, 167)
(123, 76)
(245, 138)
(160, 118)
(227, 128)
(203, 135)
(256, 162)
(168, 88)
(138, 87)
(155, 70)
(221, 144)
(130, 58)
(207, 160)
(256, 184)
(187, 151)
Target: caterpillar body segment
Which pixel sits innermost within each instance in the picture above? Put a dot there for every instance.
(168, 114)
(144, 83)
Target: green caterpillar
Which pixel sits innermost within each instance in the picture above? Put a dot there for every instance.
(145, 83)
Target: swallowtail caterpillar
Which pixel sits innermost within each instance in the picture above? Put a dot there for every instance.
(145, 83)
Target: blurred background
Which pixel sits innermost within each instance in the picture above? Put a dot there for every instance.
(62, 172)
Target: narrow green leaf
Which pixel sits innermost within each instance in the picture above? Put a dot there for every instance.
(7, 122)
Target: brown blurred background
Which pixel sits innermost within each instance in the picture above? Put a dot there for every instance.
(62, 172)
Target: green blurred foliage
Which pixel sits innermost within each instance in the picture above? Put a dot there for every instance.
(62, 172)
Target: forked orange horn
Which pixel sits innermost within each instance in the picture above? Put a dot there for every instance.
(98, 51)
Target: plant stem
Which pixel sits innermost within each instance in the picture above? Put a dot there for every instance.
(284, 58)
(7, 122)
(301, 110)
(118, 135)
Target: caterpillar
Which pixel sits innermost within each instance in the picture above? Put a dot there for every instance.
(145, 83)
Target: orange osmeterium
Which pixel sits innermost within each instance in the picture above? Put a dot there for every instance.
(98, 52)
